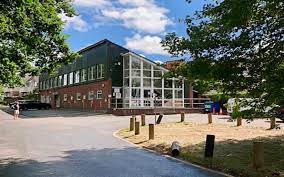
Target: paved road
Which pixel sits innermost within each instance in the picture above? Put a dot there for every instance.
(81, 145)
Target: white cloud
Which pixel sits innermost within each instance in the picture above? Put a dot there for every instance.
(150, 18)
(91, 3)
(147, 44)
(137, 2)
(76, 22)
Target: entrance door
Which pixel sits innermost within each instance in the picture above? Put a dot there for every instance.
(57, 101)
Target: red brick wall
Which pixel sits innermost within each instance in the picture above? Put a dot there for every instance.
(84, 89)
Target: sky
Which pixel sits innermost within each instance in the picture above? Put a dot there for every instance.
(138, 25)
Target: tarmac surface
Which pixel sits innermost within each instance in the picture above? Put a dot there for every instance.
(79, 144)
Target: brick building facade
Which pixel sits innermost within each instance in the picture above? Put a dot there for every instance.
(110, 77)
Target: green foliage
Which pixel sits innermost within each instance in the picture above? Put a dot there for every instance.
(236, 47)
(31, 38)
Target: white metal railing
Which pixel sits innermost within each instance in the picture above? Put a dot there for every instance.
(159, 103)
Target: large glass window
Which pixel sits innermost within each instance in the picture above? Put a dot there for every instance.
(158, 74)
(135, 73)
(168, 94)
(100, 71)
(135, 93)
(168, 83)
(83, 75)
(178, 94)
(55, 82)
(136, 63)
(158, 83)
(65, 76)
(146, 66)
(178, 83)
(77, 77)
(59, 81)
(146, 82)
(146, 73)
(90, 73)
(70, 78)
(136, 82)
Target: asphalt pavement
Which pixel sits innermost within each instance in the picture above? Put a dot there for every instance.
(79, 144)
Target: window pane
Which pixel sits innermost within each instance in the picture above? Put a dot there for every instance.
(147, 93)
(90, 73)
(65, 79)
(71, 78)
(126, 73)
(147, 82)
(102, 70)
(178, 83)
(83, 75)
(157, 73)
(126, 92)
(158, 93)
(158, 83)
(135, 73)
(126, 82)
(146, 73)
(135, 93)
(168, 94)
(94, 74)
(146, 66)
(178, 93)
(78, 96)
(136, 82)
(126, 62)
(77, 76)
(99, 94)
(168, 83)
(136, 63)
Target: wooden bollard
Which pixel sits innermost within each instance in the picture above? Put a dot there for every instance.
(175, 148)
(209, 118)
(137, 128)
(143, 120)
(131, 126)
(151, 131)
(159, 118)
(209, 147)
(272, 122)
(239, 121)
(258, 154)
(182, 116)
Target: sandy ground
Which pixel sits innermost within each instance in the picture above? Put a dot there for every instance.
(195, 133)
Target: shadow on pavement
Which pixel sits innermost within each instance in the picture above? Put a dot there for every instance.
(53, 113)
(108, 162)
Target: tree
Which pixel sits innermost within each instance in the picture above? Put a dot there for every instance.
(237, 47)
(31, 38)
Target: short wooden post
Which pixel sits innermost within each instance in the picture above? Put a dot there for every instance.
(182, 116)
(175, 148)
(143, 120)
(151, 131)
(239, 121)
(131, 126)
(272, 122)
(209, 118)
(137, 128)
(209, 147)
(258, 154)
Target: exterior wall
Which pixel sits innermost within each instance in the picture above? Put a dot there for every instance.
(84, 103)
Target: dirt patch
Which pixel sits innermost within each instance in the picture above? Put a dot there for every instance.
(233, 146)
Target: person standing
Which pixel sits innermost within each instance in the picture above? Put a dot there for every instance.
(17, 110)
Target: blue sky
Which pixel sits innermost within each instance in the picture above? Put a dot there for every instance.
(138, 25)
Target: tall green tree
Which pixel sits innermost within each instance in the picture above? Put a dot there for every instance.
(31, 38)
(237, 47)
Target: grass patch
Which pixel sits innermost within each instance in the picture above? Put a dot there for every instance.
(233, 146)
